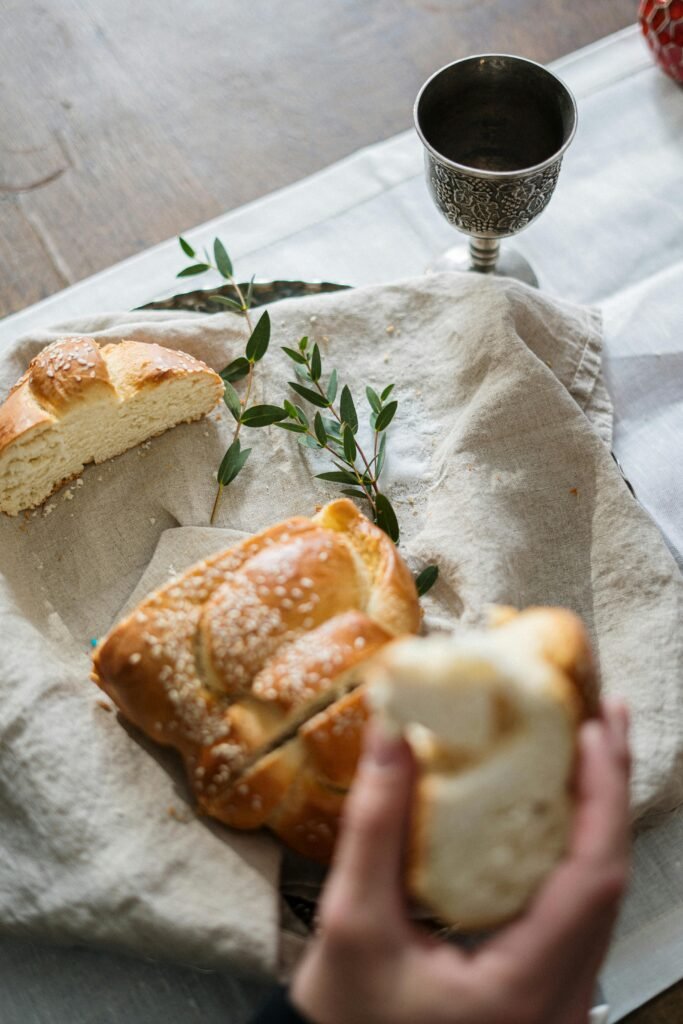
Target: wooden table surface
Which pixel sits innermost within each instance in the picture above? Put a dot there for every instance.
(125, 123)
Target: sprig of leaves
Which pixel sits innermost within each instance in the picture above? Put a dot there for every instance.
(223, 265)
(333, 427)
(234, 460)
(244, 415)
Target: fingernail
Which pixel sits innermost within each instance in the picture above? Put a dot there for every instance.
(593, 733)
(618, 714)
(382, 744)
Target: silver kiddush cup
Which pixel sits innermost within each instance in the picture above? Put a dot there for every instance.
(494, 128)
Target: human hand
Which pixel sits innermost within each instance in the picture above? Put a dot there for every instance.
(369, 964)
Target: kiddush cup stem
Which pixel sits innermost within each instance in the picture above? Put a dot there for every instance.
(484, 254)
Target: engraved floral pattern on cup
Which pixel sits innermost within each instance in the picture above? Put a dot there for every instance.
(491, 206)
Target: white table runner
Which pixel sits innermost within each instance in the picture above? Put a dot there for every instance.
(611, 235)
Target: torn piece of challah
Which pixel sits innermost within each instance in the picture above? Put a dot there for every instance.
(80, 402)
(247, 664)
(492, 717)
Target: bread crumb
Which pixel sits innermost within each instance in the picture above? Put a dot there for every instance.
(68, 496)
(574, 491)
(49, 509)
(390, 328)
(152, 520)
(313, 319)
(103, 704)
(79, 482)
(177, 815)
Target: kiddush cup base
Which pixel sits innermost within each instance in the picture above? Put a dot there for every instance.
(507, 263)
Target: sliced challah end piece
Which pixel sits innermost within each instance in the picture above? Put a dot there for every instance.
(80, 402)
(492, 717)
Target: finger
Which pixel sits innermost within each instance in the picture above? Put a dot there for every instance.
(573, 913)
(616, 714)
(366, 876)
(601, 823)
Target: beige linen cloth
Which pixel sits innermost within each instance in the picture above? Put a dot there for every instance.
(499, 470)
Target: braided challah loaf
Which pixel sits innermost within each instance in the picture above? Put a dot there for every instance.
(259, 665)
(247, 664)
(492, 718)
(79, 403)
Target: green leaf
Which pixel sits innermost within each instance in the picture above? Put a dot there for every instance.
(296, 428)
(301, 415)
(387, 391)
(348, 409)
(320, 431)
(293, 354)
(373, 399)
(236, 370)
(302, 372)
(262, 415)
(290, 409)
(308, 442)
(232, 400)
(250, 292)
(386, 517)
(222, 259)
(303, 343)
(332, 387)
(342, 477)
(316, 364)
(257, 346)
(332, 427)
(196, 268)
(349, 443)
(379, 462)
(186, 247)
(385, 417)
(233, 462)
(426, 579)
(311, 396)
(224, 300)
(354, 493)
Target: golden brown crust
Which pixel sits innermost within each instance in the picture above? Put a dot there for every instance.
(68, 371)
(228, 661)
(333, 739)
(391, 577)
(19, 415)
(138, 365)
(559, 636)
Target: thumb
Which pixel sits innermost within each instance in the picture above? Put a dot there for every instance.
(366, 876)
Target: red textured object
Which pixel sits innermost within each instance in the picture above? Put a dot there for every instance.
(662, 25)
